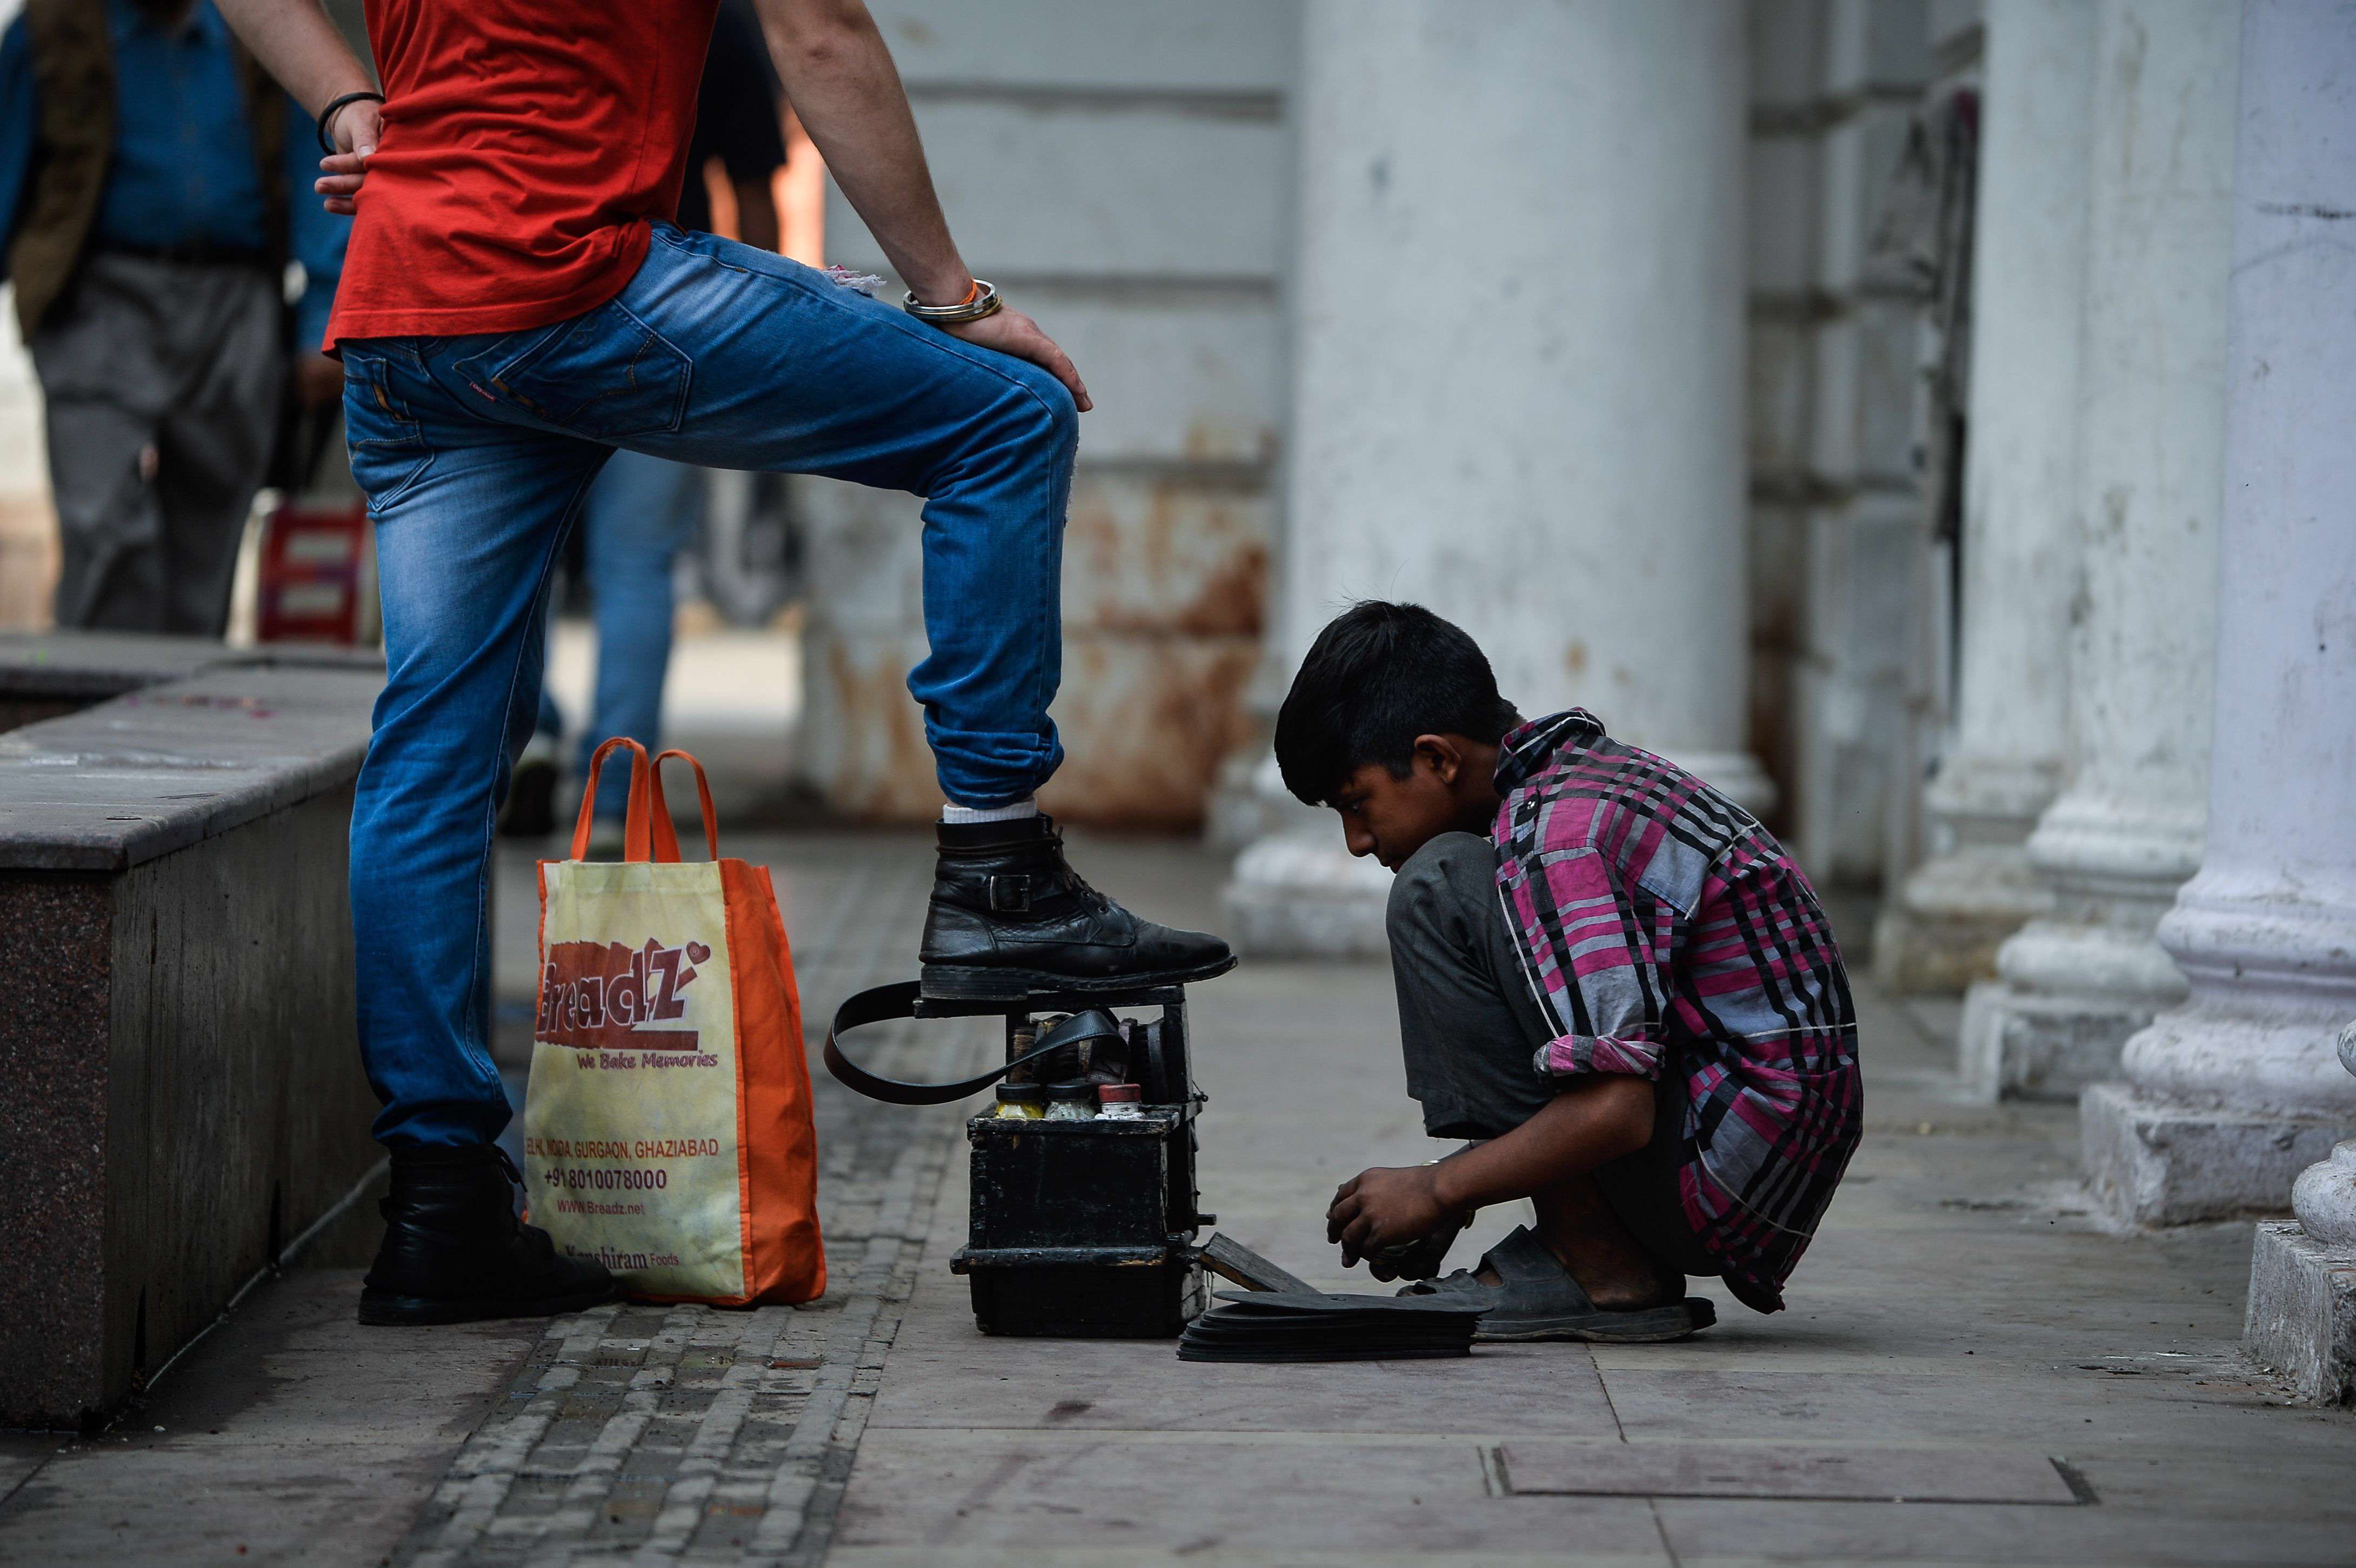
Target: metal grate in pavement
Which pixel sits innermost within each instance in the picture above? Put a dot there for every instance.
(1823, 1475)
(682, 1434)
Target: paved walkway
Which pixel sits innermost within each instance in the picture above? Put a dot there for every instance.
(1961, 1324)
(662, 1434)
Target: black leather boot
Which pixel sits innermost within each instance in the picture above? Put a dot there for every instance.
(455, 1252)
(1010, 919)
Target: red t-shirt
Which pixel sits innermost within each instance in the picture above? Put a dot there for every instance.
(526, 144)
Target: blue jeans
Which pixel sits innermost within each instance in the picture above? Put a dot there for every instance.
(474, 454)
(639, 514)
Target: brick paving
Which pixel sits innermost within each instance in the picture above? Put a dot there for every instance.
(659, 1434)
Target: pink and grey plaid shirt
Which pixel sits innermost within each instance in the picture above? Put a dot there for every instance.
(1663, 929)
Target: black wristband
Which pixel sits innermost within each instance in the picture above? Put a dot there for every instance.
(329, 114)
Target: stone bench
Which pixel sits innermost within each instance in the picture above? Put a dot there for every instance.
(181, 1096)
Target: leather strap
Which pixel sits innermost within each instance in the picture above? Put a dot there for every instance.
(883, 1003)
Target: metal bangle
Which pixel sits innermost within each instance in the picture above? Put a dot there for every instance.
(327, 115)
(985, 302)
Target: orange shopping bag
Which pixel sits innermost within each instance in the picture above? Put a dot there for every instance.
(666, 1131)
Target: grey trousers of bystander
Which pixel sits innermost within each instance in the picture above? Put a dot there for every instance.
(1470, 1026)
(162, 379)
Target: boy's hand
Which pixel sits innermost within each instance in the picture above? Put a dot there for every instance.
(1382, 1207)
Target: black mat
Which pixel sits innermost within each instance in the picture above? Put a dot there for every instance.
(1311, 1326)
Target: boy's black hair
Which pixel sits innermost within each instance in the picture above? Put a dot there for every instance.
(1378, 676)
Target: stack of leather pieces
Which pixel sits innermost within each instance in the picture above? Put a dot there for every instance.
(1310, 1326)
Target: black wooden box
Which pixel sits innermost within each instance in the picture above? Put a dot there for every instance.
(1085, 1229)
(1079, 1231)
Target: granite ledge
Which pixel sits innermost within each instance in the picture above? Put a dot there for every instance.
(96, 665)
(167, 765)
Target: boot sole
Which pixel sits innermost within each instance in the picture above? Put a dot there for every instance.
(957, 983)
(380, 1310)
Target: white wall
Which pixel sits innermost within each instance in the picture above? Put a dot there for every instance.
(1121, 170)
(1835, 521)
(27, 526)
(24, 471)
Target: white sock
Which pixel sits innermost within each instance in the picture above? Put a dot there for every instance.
(955, 813)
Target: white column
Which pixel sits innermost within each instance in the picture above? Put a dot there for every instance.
(1518, 376)
(2020, 542)
(2232, 1093)
(2324, 1195)
(2302, 1312)
(2115, 847)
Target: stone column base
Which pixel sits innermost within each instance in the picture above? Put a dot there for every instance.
(2157, 1162)
(1735, 775)
(1934, 952)
(1302, 895)
(2017, 1044)
(2302, 1320)
(1941, 933)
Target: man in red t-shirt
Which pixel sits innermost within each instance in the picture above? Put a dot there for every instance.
(515, 306)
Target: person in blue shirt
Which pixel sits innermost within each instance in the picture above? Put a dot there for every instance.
(154, 186)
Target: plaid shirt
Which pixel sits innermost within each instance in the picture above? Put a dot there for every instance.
(1664, 930)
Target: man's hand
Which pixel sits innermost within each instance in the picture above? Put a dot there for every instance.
(841, 80)
(296, 43)
(354, 132)
(1010, 331)
(1384, 1206)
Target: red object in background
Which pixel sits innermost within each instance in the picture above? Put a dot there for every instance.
(311, 574)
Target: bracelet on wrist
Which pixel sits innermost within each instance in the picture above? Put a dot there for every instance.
(335, 105)
(980, 300)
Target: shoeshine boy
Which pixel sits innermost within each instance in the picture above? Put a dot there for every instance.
(1609, 976)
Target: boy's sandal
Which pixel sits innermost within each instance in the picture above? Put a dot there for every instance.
(1538, 1299)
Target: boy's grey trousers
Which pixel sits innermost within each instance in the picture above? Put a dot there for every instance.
(1469, 1028)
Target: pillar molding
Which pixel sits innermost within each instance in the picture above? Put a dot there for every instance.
(2302, 1314)
(1518, 335)
(2230, 1094)
(2324, 1198)
(2020, 545)
(2073, 985)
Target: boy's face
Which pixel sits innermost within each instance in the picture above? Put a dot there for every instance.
(1444, 791)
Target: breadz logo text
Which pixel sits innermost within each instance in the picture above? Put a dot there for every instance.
(596, 994)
